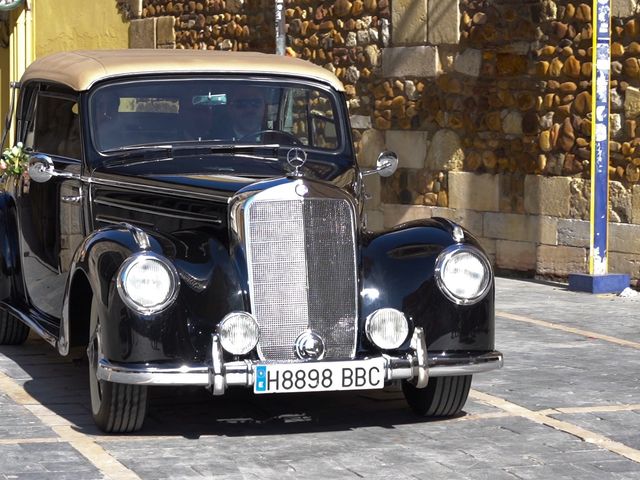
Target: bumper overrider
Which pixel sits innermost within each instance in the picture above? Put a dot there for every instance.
(415, 366)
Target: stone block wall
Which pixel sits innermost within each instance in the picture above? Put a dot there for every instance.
(239, 25)
(541, 240)
(487, 103)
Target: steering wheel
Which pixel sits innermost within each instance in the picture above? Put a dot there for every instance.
(276, 133)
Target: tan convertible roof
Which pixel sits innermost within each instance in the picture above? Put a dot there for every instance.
(81, 69)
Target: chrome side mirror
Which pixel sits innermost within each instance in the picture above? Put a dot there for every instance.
(386, 165)
(40, 168)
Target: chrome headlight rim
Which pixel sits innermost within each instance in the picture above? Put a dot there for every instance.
(134, 260)
(445, 256)
(381, 311)
(228, 317)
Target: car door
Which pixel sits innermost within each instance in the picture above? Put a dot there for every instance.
(50, 213)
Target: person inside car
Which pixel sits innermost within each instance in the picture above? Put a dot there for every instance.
(247, 112)
(246, 108)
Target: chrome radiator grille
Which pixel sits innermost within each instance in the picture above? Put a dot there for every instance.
(301, 260)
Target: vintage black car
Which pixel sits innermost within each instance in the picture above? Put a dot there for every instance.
(196, 218)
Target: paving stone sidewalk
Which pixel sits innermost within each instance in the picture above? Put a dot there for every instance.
(565, 406)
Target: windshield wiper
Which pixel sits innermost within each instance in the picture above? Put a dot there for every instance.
(161, 153)
(243, 147)
(138, 148)
(123, 155)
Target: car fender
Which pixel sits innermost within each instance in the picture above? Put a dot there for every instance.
(92, 272)
(209, 288)
(398, 271)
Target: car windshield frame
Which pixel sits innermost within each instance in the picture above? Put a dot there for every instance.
(275, 112)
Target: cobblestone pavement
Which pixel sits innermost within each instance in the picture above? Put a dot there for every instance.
(565, 406)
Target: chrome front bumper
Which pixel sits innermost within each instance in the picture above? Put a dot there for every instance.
(415, 367)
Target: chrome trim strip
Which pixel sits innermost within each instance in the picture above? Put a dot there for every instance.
(176, 192)
(71, 198)
(161, 212)
(120, 221)
(27, 320)
(155, 188)
(466, 366)
(144, 375)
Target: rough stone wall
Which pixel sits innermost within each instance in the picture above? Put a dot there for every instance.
(238, 25)
(502, 86)
(487, 103)
(343, 36)
(563, 62)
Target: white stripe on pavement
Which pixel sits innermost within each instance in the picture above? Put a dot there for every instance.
(537, 417)
(98, 456)
(564, 328)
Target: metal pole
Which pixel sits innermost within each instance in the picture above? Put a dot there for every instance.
(281, 42)
(599, 211)
(598, 280)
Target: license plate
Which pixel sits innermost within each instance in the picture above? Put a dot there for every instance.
(319, 376)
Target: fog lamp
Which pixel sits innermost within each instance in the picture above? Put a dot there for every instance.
(387, 328)
(239, 333)
(147, 283)
(463, 274)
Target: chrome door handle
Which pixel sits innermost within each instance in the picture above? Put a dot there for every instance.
(71, 198)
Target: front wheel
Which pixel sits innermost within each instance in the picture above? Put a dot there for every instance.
(442, 397)
(116, 407)
(12, 330)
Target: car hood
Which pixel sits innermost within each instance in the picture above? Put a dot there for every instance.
(219, 175)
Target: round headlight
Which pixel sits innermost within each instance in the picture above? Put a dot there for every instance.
(239, 333)
(463, 274)
(387, 328)
(147, 283)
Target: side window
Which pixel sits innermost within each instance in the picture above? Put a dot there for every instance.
(294, 120)
(24, 113)
(323, 124)
(308, 114)
(56, 129)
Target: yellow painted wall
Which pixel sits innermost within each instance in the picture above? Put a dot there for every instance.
(62, 25)
(4, 84)
(16, 57)
(55, 26)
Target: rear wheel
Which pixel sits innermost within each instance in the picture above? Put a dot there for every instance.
(12, 330)
(442, 397)
(116, 407)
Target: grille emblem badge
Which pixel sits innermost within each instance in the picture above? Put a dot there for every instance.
(309, 346)
(296, 157)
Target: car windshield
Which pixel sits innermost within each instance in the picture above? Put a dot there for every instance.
(213, 111)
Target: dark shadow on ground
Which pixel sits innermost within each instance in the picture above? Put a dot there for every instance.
(61, 384)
